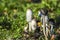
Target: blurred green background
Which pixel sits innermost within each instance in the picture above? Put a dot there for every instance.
(12, 15)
